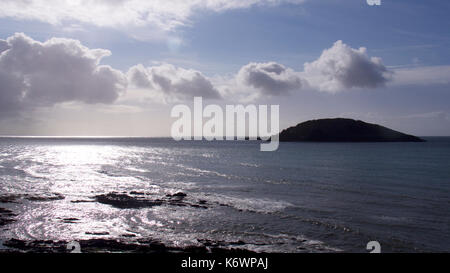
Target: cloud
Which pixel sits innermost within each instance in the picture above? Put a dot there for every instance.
(269, 78)
(3, 45)
(338, 68)
(422, 75)
(41, 74)
(436, 123)
(34, 74)
(163, 14)
(171, 83)
(342, 67)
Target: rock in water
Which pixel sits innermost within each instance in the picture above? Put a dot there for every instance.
(343, 130)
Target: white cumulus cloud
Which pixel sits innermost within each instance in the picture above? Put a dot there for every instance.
(34, 74)
(269, 78)
(342, 67)
(171, 83)
(41, 74)
(339, 68)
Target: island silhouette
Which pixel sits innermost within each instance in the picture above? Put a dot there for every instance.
(343, 130)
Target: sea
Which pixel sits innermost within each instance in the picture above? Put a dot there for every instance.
(304, 197)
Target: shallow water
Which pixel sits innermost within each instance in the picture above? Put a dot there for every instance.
(305, 197)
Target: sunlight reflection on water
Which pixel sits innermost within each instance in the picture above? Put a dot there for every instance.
(182, 193)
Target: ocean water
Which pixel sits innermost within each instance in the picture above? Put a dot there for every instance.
(305, 197)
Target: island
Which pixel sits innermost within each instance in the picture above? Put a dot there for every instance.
(343, 130)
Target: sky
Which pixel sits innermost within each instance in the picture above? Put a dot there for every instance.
(117, 67)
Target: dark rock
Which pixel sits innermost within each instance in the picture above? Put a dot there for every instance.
(14, 198)
(6, 216)
(124, 201)
(199, 206)
(42, 246)
(343, 130)
(6, 212)
(9, 198)
(228, 251)
(97, 233)
(128, 235)
(109, 245)
(211, 243)
(239, 243)
(176, 203)
(44, 198)
(178, 194)
(196, 249)
(70, 220)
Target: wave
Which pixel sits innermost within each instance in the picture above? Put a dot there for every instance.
(250, 165)
(258, 205)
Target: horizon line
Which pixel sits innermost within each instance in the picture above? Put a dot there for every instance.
(94, 136)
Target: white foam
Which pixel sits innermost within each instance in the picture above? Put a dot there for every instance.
(250, 165)
(249, 204)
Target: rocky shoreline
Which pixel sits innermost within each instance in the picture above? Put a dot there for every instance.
(122, 200)
(111, 245)
(128, 243)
